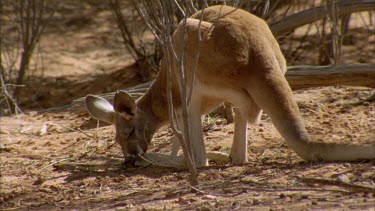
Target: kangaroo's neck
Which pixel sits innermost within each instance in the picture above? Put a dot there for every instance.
(155, 103)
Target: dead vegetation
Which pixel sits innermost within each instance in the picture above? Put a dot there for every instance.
(49, 162)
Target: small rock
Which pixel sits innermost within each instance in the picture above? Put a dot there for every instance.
(219, 122)
(343, 178)
(43, 130)
(347, 165)
(217, 129)
(209, 197)
(5, 132)
(218, 157)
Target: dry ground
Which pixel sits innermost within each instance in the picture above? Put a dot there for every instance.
(33, 146)
(80, 57)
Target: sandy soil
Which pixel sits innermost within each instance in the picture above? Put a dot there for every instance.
(36, 151)
(80, 57)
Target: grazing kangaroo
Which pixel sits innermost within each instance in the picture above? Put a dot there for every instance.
(240, 62)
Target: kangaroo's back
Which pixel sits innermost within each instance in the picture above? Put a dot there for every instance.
(241, 53)
(239, 44)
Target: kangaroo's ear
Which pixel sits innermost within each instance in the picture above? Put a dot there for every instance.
(100, 108)
(125, 105)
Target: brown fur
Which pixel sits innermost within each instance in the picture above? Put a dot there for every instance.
(240, 62)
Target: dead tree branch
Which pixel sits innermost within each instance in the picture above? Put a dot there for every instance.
(299, 77)
(146, 59)
(315, 76)
(294, 21)
(32, 20)
(29, 18)
(159, 16)
(338, 182)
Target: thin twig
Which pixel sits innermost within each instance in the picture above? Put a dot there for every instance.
(196, 190)
(337, 182)
(87, 167)
(294, 189)
(74, 130)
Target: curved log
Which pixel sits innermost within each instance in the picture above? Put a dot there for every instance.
(315, 76)
(291, 22)
(299, 77)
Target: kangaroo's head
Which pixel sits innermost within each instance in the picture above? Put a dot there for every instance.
(132, 131)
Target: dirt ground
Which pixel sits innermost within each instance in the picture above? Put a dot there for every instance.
(35, 147)
(37, 150)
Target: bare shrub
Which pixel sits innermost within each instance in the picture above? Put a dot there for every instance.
(159, 16)
(29, 19)
(147, 55)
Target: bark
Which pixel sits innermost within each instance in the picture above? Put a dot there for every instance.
(314, 76)
(294, 21)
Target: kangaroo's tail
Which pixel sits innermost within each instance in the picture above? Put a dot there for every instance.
(270, 91)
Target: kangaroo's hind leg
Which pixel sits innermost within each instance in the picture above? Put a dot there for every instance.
(246, 110)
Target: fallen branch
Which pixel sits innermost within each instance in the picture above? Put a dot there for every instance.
(78, 105)
(86, 167)
(294, 21)
(177, 162)
(293, 189)
(160, 160)
(148, 159)
(338, 182)
(316, 76)
(299, 77)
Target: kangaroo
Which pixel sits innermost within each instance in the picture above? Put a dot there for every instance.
(240, 62)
